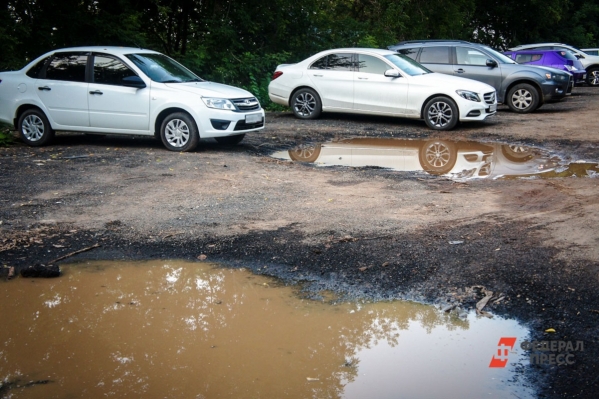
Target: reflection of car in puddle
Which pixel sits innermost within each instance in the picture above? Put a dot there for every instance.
(457, 159)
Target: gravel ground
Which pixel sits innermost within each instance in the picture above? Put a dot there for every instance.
(363, 232)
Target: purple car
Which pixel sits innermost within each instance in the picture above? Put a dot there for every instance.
(560, 59)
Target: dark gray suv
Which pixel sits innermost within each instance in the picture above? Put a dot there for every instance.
(523, 88)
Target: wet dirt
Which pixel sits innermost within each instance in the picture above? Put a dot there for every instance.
(170, 328)
(364, 232)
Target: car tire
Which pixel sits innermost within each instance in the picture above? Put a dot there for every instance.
(441, 113)
(230, 140)
(523, 98)
(593, 77)
(306, 104)
(438, 157)
(179, 132)
(305, 153)
(34, 128)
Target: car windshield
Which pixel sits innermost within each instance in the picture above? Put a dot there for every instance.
(568, 55)
(407, 65)
(504, 59)
(163, 69)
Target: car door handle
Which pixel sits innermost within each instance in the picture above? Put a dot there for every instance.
(362, 78)
(96, 92)
(460, 70)
(319, 76)
(44, 88)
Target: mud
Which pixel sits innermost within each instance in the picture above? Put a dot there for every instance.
(363, 232)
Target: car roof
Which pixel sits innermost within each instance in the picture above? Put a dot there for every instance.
(410, 43)
(531, 50)
(110, 49)
(362, 50)
(542, 44)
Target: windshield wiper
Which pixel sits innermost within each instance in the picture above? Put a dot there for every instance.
(172, 81)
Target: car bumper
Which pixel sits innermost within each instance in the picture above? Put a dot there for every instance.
(553, 91)
(476, 111)
(227, 123)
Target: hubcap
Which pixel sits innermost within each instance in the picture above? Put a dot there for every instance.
(594, 78)
(440, 114)
(305, 104)
(522, 99)
(437, 155)
(177, 133)
(33, 128)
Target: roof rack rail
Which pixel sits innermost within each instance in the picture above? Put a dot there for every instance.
(432, 41)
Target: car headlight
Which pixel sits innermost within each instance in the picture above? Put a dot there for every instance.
(570, 67)
(468, 95)
(218, 103)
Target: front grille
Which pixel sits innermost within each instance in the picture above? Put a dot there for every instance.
(489, 97)
(241, 125)
(246, 104)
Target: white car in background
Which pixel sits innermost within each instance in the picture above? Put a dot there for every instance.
(589, 62)
(379, 82)
(591, 51)
(127, 91)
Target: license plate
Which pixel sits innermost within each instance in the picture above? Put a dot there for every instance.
(253, 118)
(493, 108)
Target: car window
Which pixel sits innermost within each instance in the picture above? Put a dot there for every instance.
(110, 70)
(407, 65)
(435, 55)
(470, 56)
(370, 64)
(521, 58)
(163, 69)
(340, 62)
(410, 52)
(67, 66)
(567, 55)
(34, 71)
(321, 63)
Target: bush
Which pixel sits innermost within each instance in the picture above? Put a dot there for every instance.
(6, 136)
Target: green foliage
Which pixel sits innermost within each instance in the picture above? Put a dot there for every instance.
(6, 136)
(240, 42)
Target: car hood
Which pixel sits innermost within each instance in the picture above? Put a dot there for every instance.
(211, 89)
(538, 69)
(454, 82)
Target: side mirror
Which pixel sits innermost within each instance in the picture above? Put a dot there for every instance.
(491, 63)
(392, 73)
(579, 56)
(134, 81)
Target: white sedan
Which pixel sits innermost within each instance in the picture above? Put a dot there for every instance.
(379, 82)
(130, 91)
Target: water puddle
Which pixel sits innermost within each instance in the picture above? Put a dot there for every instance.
(171, 329)
(460, 160)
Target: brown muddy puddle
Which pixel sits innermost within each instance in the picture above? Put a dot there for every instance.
(459, 160)
(173, 329)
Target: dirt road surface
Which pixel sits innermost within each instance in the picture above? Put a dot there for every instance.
(364, 232)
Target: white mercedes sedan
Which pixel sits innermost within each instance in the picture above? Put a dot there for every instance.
(129, 91)
(379, 82)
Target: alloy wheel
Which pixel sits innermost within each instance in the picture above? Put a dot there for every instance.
(33, 128)
(522, 99)
(440, 114)
(304, 105)
(177, 133)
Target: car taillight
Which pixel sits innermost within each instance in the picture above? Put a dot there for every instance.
(276, 75)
